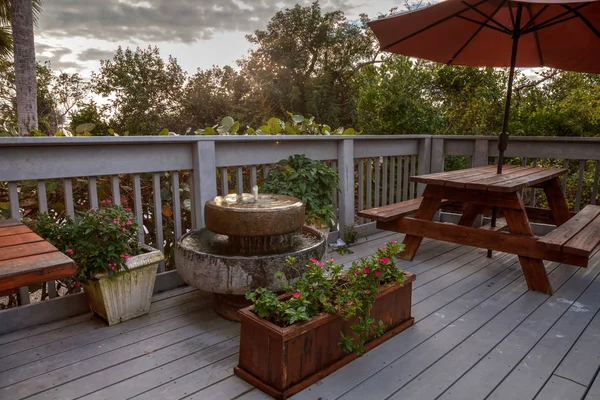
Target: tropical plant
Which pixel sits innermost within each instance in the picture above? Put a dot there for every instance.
(311, 181)
(99, 241)
(326, 288)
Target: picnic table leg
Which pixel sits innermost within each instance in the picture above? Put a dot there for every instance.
(427, 210)
(533, 268)
(470, 213)
(556, 201)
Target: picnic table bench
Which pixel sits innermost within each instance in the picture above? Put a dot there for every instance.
(573, 242)
(26, 258)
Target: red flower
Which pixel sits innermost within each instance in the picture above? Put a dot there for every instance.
(350, 303)
(367, 292)
(377, 273)
(76, 284)
(383, 260)
(366, 270)
(357, 272)
(394, 242)
(69, 251)
(314, 260)
(297, 294)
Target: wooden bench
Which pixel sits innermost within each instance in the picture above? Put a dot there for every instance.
(26, 258)
(394, 211)
(579, 236)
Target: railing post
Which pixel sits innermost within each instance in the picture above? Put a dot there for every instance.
(346, 171)
(481, 155)
(437, 155)
(424, 161)
(204, 179)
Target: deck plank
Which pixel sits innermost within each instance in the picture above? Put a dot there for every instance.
(229, 388)
(558, 388)
(486, 375)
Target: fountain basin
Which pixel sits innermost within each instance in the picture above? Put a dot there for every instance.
(203, 262)
(246, 216)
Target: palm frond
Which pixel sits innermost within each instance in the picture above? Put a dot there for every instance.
(6, 43)
(5, 11)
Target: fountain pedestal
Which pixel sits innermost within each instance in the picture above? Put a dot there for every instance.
(245, 244)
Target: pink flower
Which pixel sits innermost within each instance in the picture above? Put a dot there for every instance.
(115, 221)
(383, 260)
(357, 272)
(367, 292)
(314, 261)
(350, 303)
(129, 222)
(366, 270)
(113, 268)
(377, 273)
(381, 249)
(394, 242)
(69, 251)
(125, 256)
(297, 294)
(130, 217)
(332, 260)
(76, 284)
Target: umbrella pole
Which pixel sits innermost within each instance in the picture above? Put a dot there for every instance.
(503, 139)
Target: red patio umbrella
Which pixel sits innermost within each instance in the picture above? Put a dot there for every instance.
(498, 33)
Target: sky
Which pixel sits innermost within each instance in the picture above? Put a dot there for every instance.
(75, 34)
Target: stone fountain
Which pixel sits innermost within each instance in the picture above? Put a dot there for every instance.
(245, 243)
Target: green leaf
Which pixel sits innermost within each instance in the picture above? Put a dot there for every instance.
(85, 127)
(187, 205)
(235, 128)
(349, 131)
(164, 132)
(59, 133)
(265, 129)
(298, 118)
(250, 131)
(228, 121)
(209, 130)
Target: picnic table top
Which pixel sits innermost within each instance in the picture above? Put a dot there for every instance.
(25, 257)
(512, 178)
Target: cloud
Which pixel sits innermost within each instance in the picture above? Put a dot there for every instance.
(55, 55)
(94, 54)
(183, 21)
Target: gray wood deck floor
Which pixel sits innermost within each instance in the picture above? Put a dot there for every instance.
(479, 334)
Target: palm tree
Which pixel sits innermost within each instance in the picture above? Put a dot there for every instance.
(21, 14)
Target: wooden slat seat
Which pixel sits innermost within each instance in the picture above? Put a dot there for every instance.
(394, 211)
(26, 259)
(580, 235)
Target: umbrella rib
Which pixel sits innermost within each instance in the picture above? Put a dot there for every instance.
(556, 19)
(549, 24)
(386, 47)
(482, 25)
(584, 19)
(535, 36)
(484, 15)
(531, 22)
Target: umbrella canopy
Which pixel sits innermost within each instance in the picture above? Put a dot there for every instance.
(552, 33)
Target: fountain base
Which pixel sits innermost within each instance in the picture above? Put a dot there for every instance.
(227, 305)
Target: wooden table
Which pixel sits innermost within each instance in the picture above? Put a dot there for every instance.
(479, 189)
(26, 258)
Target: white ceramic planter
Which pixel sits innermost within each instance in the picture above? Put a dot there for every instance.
(128, 295)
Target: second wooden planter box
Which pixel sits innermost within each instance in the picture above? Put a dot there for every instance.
(283, 361)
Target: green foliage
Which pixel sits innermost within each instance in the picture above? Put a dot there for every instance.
(99, 240)
(326, 288)
(89, 113)
(311, 181)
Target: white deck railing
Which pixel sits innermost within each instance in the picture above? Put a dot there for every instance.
(374, 171)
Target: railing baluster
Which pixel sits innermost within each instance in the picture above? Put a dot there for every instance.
(565, 177)
(384, 180)
(377, 180)
(43, 207)
(334, 195)
(392, 180)
(361, 186)
(139, 213)
(413, 171)
(265, 168)
(398, 179)
(176, 204)
(158, 225)
(369, 184)
(532, 201)
(93, 191)
(405, 179)
(13, 198)
(595, 184)
(116, 194)
(252, 176)
(68, 189)
(579, 185)
(224, 181)
(239, 181)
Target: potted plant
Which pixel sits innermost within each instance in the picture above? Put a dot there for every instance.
(326, 319)
(311, 181)
(116, 271)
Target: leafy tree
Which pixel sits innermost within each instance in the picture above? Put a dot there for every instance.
(89, 113)
(144, 91)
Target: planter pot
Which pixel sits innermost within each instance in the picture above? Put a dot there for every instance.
(283, 361)
(128, 295)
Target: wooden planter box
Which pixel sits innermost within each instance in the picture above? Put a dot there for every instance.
(283, 361)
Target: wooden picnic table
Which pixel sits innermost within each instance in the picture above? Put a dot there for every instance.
(480, 189)
(26, 258)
